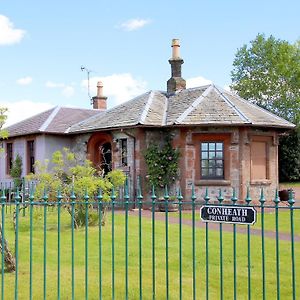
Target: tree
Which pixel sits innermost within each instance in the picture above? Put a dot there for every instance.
(16, 171)
(67, 175)
(9, 259)
(267, 72)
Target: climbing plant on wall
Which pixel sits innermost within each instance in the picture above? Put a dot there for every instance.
(162, 164)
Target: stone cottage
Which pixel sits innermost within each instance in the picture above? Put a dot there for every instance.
(224, 140)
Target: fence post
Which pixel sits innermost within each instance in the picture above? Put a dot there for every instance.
(248, 201)
(221, 199)
(140, 199)
(206, 199)
(179, 198)
(262, 201)
(166, 198)
(3, 200)
(126, 198)
(72, 198)
(194, 240)
(234, 200)
(276, 201)
(153, 197)
(45, 199)
(113, 198)
(17, 200)
(100, 216)
(291, 202)
(31, 199)
(59, 198)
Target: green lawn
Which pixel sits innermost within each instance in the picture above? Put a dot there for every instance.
(133, 264)
(289, 184)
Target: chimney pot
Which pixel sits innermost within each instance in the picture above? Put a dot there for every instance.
(175, 49)
(99, 102)
(99, 89)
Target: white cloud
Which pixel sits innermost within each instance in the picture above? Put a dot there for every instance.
(51, 84)
(67, 90)
(25, 80)
(197, 81)
(8, 34)
(227, 88)
(118, 87)
(134, 24)
(18, 111)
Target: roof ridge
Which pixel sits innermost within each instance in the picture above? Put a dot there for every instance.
(49, 119)
(194, 104)
(165, 114)
(241, 114)
(146, 109)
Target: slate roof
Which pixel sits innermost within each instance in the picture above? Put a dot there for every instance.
(55, 120)
(206, 105)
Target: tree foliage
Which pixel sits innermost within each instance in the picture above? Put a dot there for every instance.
(67, 175)
(3, 117)
(16, 171)
(267, 72)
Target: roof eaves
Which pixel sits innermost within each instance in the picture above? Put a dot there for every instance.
(49, 119)
(241, 115)
(194, 105)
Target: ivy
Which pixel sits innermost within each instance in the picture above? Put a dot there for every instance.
(162, 164)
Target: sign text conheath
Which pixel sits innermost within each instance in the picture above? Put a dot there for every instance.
(228, 214)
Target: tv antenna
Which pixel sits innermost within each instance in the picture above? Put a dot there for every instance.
(88, 81)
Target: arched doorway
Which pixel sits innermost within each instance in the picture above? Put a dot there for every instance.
(99, 151)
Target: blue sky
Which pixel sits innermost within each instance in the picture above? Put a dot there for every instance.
(126, 44)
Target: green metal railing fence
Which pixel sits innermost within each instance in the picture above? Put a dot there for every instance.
(147, 253)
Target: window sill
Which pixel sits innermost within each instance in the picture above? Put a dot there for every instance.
(261, 182)
(207, 182)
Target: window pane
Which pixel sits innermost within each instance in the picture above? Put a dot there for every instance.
(211, 172)
(204, 163)
(204, 172)
(212, 164)
(212, 155)
(219, 154)
(219, 146)
(204, 155)
(219, 172)
(219, 163)
(212, 146)
(204, 146)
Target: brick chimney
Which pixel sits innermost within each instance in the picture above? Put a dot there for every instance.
(99, 101)
(176, 82)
